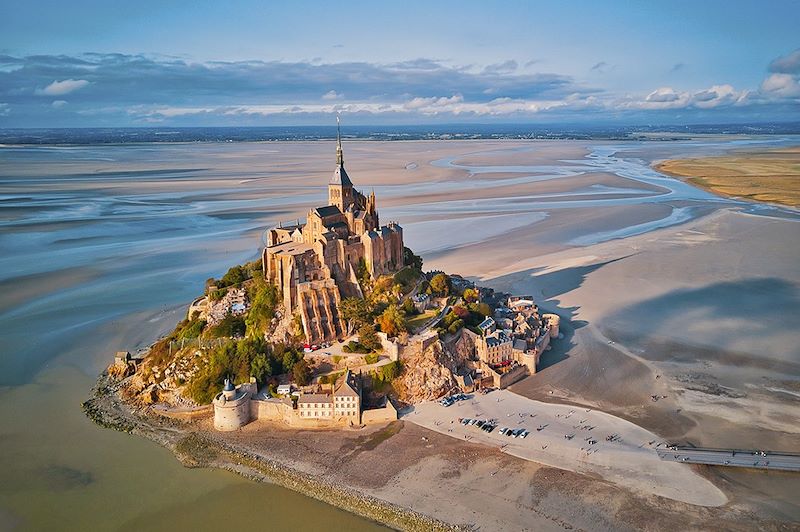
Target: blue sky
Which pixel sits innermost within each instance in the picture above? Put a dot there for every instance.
(254, 63)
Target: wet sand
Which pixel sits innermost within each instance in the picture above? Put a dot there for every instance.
(102, 248)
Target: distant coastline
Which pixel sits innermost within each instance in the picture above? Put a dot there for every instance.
(136, 135)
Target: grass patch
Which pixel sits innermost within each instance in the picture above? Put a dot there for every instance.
(770, 175)
(421, 319)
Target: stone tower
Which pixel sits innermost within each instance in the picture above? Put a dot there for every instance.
(340, 188)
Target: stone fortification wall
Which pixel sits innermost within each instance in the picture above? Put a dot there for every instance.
(390, 348)
(504, 380)
(530, 360)
(553, 322)
(379, 415)
(281, 411)
(271, 409)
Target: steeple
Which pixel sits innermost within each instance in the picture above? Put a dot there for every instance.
(340, 176)
(339, 153)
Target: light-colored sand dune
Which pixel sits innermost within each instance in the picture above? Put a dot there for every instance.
(630, 461)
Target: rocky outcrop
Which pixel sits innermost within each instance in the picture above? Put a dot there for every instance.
(463, 347)
(427, 375)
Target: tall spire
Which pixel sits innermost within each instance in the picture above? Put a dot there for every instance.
(339, 154)
(340, 176)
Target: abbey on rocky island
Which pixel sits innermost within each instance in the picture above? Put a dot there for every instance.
(315, 264)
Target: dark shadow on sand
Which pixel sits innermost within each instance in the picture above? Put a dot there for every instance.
(545, 289)
(757, 306)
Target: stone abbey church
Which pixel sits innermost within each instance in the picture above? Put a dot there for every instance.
(315, 264)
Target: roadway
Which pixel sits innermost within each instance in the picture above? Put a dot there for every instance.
(731, 457)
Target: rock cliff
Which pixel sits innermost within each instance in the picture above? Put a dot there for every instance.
(430, 373)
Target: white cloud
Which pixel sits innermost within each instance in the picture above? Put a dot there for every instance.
(5, 109)
(781, 85)
(663, 94)
(59, 88)
(787, 64)
(715, 96)
(669, 98)
(59, 103)
(332, 95)
(432, 103)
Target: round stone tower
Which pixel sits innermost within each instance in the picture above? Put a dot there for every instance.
(231, 408)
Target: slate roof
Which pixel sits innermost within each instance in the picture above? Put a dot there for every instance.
(343, 386)
(315, 398)
(328, 210)
(340, 176)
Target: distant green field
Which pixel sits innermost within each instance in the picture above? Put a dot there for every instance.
(771, 176)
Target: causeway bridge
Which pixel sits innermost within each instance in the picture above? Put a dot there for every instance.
(731, 457)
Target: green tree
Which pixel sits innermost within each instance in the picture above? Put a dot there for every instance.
(301, 373)
(392, 321)
(470, 295)
(440, 284)
(480, 308)
(230, 326)
(362, 273)
(260, 367)
(262, 310)
(255, 269)
(455, 326)
(356, 312)
(368, 338)
(290, 358)
(409, 259)
(190, 329)
(235, 275)
(408, 308)
(217, 294)
(391, 371)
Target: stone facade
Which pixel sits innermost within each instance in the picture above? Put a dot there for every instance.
(235, 407)
(315, 263)
(513, 341)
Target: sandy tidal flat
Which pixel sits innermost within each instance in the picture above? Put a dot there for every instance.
(662, 288)
(564, 442)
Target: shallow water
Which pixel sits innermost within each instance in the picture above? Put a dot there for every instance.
(102, 248)
(87, 268)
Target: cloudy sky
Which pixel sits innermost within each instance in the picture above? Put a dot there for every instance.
(86, 63)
